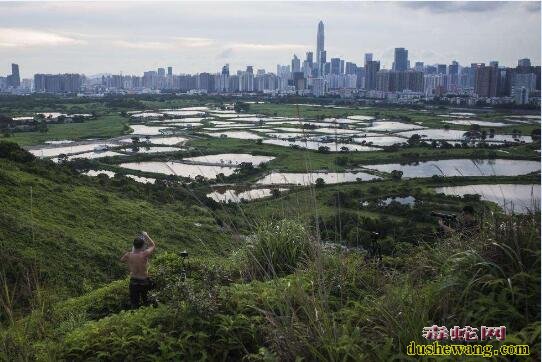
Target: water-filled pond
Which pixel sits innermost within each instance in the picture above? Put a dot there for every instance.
(389, 126)
(287, 178)
(91, 155)
(141, 129)
(462, 167)
(381, 141)
(314, 145)
(513, 198)
(185, 113)
(361, 118)
(236, 196)
(178, 169)
(464, 122)
(230, 159)
(72, 149)
(236, 134)
(147, 149)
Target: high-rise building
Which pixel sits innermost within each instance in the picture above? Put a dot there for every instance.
(371, 69)
(58, 83)
(335, 66)
(14, 80)
(418, 66)
(161, 72)
(441, 68)
(296, 64)
(453, 73)
(323, 58)
(368, 58)
(485, 80)
(525, 62)
(226, 70)
(319, 41)
(350, 68)
(400, 60)
(309, 59)
(170, 71)
(318, 87)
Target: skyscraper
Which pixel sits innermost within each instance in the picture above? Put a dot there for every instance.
(368, 58)
(335, 66)
(371, 69)
(319, 41)
(525, 62)
(161, 72)
(309, 59)
(296, 64)
(14, 80)
(169, 71)
(400, 60)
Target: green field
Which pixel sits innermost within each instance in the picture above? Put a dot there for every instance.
(328, 272)
(103, 127)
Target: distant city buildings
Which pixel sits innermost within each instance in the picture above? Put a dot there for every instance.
(319, 75)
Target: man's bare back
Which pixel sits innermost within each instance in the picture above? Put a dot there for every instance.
(138, 259)
(138, 263)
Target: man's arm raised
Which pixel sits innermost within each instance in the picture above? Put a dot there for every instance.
(152, 246)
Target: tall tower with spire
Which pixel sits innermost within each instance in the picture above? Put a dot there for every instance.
(319, 44)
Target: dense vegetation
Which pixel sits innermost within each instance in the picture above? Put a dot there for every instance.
(327, 272)
(275, 293)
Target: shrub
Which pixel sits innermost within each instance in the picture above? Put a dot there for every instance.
(278, 248)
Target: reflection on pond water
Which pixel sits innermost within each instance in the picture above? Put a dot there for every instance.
(462, 167)
(236, 196)
(235, 134)
(140, 129)
(381, 141)
(179, 169)
(231, 159)
(313, 145)
(388, 126)
(512, 198)
(277, 178)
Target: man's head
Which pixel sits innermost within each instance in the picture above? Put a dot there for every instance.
(139, 242)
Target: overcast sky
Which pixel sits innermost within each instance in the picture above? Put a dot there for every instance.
(114, 37)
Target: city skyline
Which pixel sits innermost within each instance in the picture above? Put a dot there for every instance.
(79, 44)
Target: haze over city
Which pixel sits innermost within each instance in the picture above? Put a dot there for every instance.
(100, 37)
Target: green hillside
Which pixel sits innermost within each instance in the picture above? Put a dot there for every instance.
(71, 229)
(271, 292)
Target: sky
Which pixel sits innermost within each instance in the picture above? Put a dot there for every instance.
(96, 37)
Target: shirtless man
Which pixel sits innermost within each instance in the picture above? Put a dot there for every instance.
(138, 263)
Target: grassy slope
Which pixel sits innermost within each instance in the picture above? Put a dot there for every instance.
(102, 127)
(80, 231)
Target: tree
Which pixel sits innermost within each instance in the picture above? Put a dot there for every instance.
(396, 175)
(5, 122)
(323, 149)
(414, 139)
(320, 182)
(535, 135)
(275, 193)
(62, 158)
(241, 107)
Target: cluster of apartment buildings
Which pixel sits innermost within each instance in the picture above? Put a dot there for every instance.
(317, 76)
